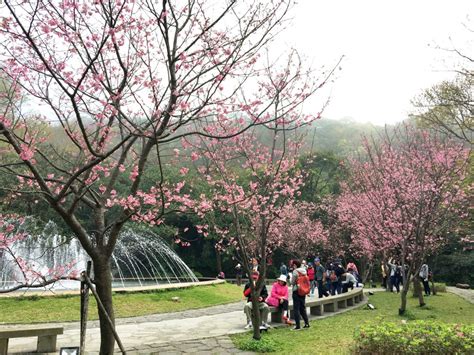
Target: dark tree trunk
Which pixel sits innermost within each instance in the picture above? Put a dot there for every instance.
(403, 304)
(256, 321)
(404, 293)
(219, 261)
(417, 291)
(103, 283)
(433, 288)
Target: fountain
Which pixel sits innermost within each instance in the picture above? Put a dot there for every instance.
(140, 258)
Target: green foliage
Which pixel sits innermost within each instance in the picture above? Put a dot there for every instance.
(453, 268)
(264, 345)
(335, 335)
(439, 287)
(418, 337)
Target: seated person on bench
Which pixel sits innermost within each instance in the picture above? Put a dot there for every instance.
(262, 306)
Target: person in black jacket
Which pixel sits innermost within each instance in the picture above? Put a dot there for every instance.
(262, 306)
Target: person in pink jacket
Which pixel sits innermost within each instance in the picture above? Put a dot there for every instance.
(279, 298)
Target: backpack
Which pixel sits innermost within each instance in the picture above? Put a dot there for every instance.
(304, 285)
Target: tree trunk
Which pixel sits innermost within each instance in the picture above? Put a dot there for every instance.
(403, 295)
(417, 291)
(219, 261)
(103, 283)
(433, 288)
(256, 321)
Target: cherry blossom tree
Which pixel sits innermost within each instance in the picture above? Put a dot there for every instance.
(118, 81)
(256, 186)
(404, 197)
(297, 231)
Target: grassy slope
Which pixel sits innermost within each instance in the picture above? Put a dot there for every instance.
(334, 335)
(66, 308)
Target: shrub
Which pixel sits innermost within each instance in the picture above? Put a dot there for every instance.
(439, 288)
(264, 345)
(418, 337)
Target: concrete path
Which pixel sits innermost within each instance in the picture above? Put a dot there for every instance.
(203, 331)
(468, 295)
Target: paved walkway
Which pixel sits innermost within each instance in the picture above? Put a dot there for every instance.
(468, 295)
(194, 331)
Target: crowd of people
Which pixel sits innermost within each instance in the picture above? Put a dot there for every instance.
(303, 279)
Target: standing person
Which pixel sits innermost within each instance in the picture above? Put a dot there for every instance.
(328, 276)
(424, 276)
(262, 306)
(394, 270)
(283, 269)
(384, 277)
(299, 306)
(238, 274)
(310, 272)
(320, 277)
(254, 263)
(304, 264)
(279, 298)
(339, 270)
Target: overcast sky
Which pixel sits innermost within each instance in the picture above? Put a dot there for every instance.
(390, 50)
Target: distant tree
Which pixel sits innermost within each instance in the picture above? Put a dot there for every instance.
(405, 197)
(448, 107)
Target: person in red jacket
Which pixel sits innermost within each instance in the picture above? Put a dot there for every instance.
(310, 272)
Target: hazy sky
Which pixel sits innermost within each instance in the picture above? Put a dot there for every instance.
(390, 49)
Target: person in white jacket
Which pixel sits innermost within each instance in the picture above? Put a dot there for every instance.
(424, 276)
(348, 282)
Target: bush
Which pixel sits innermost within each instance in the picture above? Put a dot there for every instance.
(264, 345)
(418, 337)
(439, 288)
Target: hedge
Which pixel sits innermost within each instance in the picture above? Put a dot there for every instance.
(417, 337)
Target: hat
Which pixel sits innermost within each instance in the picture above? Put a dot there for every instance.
(316, 260)
(282, 278)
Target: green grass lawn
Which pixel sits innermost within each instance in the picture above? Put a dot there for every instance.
(36, 309)
(334, 335)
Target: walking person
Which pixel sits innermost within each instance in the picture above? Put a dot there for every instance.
(299, 302)
(424, 276)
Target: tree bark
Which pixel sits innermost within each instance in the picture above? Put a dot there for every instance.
(256, 321)
(417, 291)
(103, 283)
(403, 295)
(219, 261)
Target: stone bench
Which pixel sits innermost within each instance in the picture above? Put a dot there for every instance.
(46, 337)
(319, 306)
